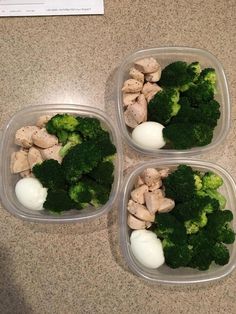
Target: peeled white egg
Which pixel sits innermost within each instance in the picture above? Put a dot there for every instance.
(147, 248)
(30, 193)
(149, 135)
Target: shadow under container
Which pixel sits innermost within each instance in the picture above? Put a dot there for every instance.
(28, 116)
(165, 274)
(165, 56)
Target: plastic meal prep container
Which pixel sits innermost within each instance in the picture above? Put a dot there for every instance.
(165, 274)
(165, 56)
(28, 116)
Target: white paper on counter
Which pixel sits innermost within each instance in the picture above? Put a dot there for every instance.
(50, 7)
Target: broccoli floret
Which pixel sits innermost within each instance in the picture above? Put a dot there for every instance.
(103, 173)
(180, 184)
(89, 127)
(211, 180)
(214, 194)
(198, 181)
(187, 135)
(61, 124)
(179, 75)
(104, 144)
(218, 226)
(72, 140)
(168, 227)
(81, 159)
(80, 194)
(176, 255)
(163, 106)
(208, 113)
(58, 201)
(201, 248)
(220, 254)
(199, 93)
(50, 174)
(208, 75)
(100, 193)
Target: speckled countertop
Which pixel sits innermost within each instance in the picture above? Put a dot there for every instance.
(78, 268)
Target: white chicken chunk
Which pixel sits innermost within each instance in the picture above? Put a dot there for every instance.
(150, 176)
(52, 153)
(23, 136)
(43, 139)
(132, 86)
(147, 65)
(136, 113)
(138, 194)
(129, 98)
(136, 224)
(42, 120)
(34, 157)
(153, 77)
(140, 211)
(153, 200)
(150, 89)
(19, 161)
(136, 74)
(166, 205)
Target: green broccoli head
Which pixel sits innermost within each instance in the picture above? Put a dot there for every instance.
(180, 75)
(220, 254)
(180, 184)
(72, 140)
(199, 93)
(103, 173)
(58, 201)
(50, 174)
(80, 194)
(214, 194)
(89, 127)
(211, 180)
(176, 255)
(163, 106)
(198, 181)
(187, 135)
(218, 227)
(62, 122)
(208, 75)
(168, 227)
(100, 193)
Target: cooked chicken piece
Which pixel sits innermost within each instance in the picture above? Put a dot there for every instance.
(153, 200)
(150, 176)
(52, 153)
(34, 157)
(129, 98)
(132, 86)
(42, 120)
(43, 139)
(150, 89)
(147, 65)
(135, 223)
(137, 195)
(129, 119)
(166, 205)
(136, 74)
(26, 174)
(23, 136)
(19, 161)
(138, 112)
(155, 186)
(153, 77)
(164, 172)
(138, 182)
(140, 211)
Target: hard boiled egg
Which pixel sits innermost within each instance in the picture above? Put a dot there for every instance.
(30, 193)
(149, 135)
(147, 248)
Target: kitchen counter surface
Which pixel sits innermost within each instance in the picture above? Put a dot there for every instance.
(77, 268)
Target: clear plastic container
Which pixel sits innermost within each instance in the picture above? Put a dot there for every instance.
(165, 274)
(164, 56)
(28, 116)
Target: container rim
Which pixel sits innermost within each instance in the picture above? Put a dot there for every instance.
(85, 110)
(202, 277)
(140, 53)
